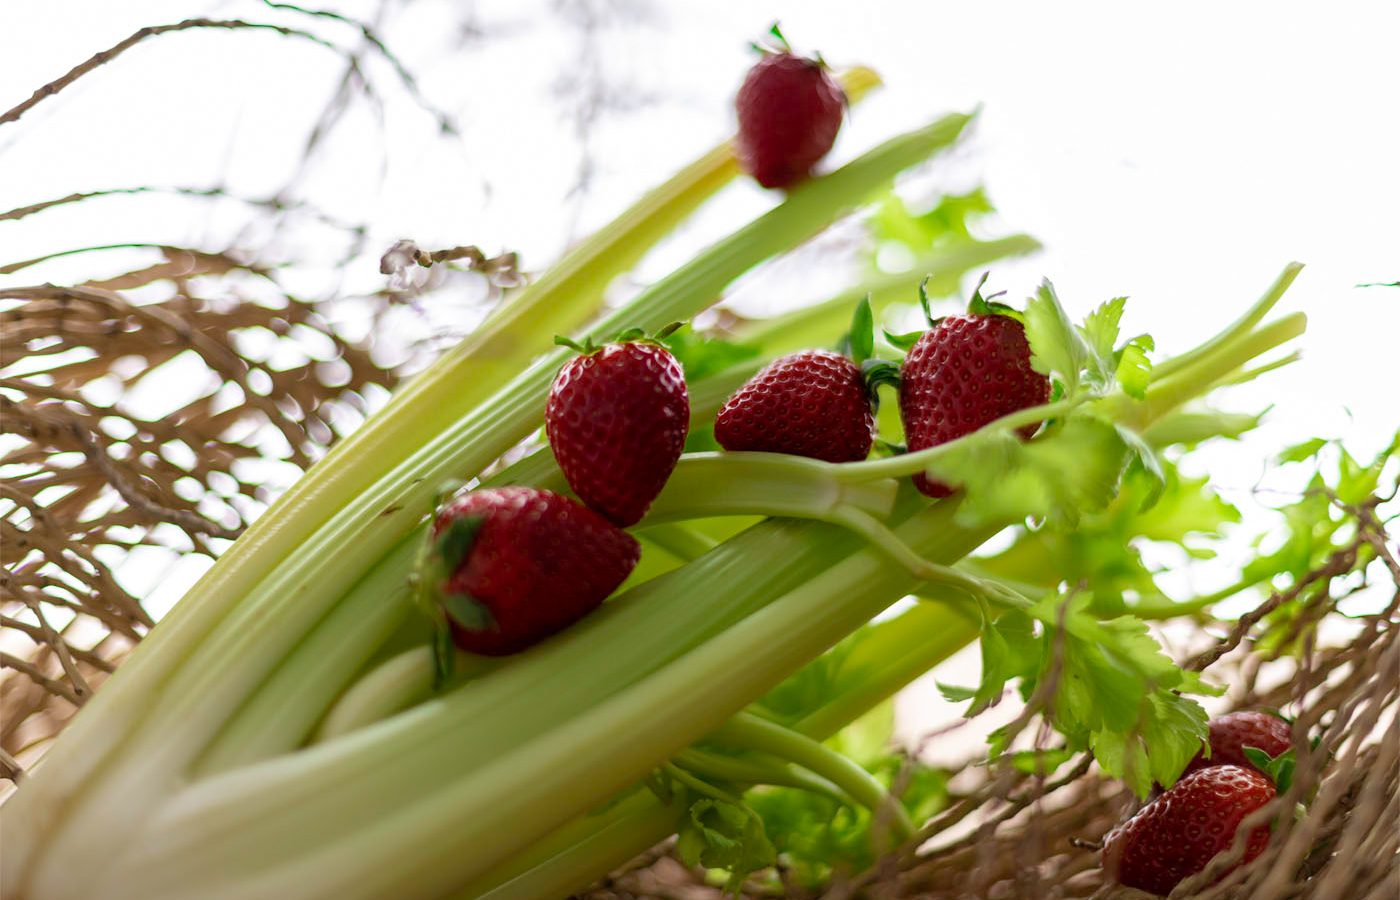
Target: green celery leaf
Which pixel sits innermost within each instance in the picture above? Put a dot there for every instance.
(1101, 327)
(955, 693)
(1146, 458)
(1057, 347)
(817, 837)
(867, 739)
(1134, 369)
(1116, 692)
(1038, 762)
(1304, 451)
(701, 355)
(720, 835)
(947, 222)
(1187, 506)
(1063, 474)
(996, 670)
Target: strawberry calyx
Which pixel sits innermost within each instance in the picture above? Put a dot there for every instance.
(1278, 769)
(445, 551)
(859, 345)
(469, 612)
(877, 372)
(635, 335)
(779, 45)
(978, 305)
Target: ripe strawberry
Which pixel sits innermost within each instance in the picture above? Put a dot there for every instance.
(1177, 835)
(789, 109)
(963, 373)
(812, 403)
(617, 418)
(510, 566)
(1231, 733)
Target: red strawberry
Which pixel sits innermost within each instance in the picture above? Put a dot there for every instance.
(1176, 835)
(616, 419)
(511, 566)
(963, 373)
(1231, 733)
(812, 403)
(789, 109)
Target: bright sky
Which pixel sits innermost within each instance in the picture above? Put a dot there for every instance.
(1178, 154)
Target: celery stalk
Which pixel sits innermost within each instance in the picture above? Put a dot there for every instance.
(263, 627)
(567, 295)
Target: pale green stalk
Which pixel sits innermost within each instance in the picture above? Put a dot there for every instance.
(900, 650)
(282, 711)
(394, 686)
(681, 542)
(816, 325)
(545, 778)
(1241, 326)
(757, 769)
(748, 731)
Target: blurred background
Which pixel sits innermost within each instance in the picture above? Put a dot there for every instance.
(250, 171)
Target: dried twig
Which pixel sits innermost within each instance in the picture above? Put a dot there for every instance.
(105, 56)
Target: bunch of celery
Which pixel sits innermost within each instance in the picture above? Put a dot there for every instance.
(276, 735)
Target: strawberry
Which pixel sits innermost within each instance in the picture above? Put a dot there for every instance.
(510, 566)
(1231, 733)
(812, 403)
(790, 109)
(1177, 835)
(963, 373)
(617, 418)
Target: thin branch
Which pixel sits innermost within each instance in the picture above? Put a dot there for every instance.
(57, 688)
(105, 56)
(270, 203)
(410, 83)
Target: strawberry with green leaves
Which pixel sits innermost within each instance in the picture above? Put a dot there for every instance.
(963, 373)
(507, 567)
(617, 418)
(790, 109)
(1232, 734)
(813, 403)
(1179, 833)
